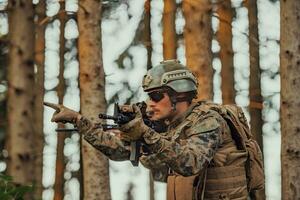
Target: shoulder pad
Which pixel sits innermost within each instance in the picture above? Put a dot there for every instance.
(206, 125)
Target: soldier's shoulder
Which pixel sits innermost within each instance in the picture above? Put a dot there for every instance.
(206, 124)
(204, 109)
(204, 118)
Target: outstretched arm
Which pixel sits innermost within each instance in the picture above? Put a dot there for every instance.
(105, 141)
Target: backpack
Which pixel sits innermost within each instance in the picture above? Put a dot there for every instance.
(241, 134)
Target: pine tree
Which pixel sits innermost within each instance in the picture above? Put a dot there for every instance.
(60, 161)
(40, 11)
(224, 36)
(290, 109)
(198, 37)
(20, 132)
(92, 97)
(169, 32)
(255, 107)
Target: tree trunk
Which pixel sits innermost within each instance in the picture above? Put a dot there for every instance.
(169, 32)
(147, 33)
(92, 97)
(290, 102)
(20, 141)
(60, 158)
(147, 41)
(224, 36)
(256, 100)
(3, 96)
(40, 11)
(198, 37)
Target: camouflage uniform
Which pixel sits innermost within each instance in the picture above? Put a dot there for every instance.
(185, 150)
(187, 145)
(196, 156)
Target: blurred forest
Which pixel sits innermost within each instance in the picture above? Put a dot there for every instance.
(88, 55)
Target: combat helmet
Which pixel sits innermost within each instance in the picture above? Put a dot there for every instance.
(170, 73)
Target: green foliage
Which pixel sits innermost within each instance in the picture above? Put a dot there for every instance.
(12, 191)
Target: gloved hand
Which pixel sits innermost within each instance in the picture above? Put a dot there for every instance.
(134, 129)
(63, 114)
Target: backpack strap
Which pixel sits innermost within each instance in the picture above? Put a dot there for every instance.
(237, 131)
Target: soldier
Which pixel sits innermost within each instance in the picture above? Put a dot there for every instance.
(196, 156)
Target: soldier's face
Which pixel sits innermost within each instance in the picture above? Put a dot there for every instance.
(160, 105)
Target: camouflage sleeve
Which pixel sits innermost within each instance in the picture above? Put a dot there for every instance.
(158, 168)
(188, 156)
(105, 141)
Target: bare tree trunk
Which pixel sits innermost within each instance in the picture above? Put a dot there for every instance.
(198, 37)
(169, 32)
(40, 11)
(20, 142)
(290, 102)
(147, 32)
(92, 98)
(3, 96)
(256, 100)
(255, 107)
(60, 158)
(151, 186)
(224, 36)
(147, 41)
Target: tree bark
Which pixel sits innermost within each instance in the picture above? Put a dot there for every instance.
(290, 102)
(198, 37)
(148, 44)
(224, 36)
(20, 142)
(256, 100)
(92, 98)
(147, 33)
(60, 158)
(40, 11)
(169, 32)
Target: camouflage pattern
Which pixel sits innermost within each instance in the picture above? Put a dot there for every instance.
(107, 142)
(186, 148)
(195, 147)
(190, 142)
(172, 74)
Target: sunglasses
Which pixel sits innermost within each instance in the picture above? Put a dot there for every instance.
(156, 96)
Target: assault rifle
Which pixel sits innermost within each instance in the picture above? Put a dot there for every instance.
(122, 115)
(125, 113)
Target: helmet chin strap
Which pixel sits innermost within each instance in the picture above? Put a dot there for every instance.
(174, 98)
(173, 102)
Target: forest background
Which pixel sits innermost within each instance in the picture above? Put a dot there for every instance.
(90, 54)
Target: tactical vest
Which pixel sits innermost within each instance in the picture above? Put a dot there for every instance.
(225, 177)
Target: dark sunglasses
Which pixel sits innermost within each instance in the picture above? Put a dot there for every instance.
(156, 96)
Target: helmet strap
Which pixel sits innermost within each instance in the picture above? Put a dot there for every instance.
(181, 99)
(173, 102)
